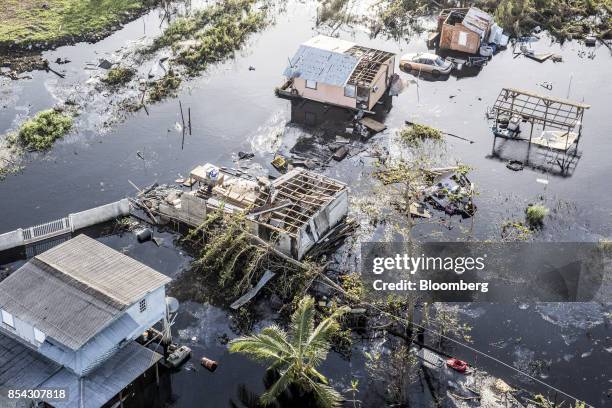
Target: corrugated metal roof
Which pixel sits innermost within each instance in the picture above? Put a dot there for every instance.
(107, 380)
(103, 269)
(327, 67)
(23, 368)
(84, 286)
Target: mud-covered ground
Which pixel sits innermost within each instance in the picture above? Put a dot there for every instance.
(233, 109)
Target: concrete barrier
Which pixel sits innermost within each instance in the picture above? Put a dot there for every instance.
(74, 222)
(11, 239)
(100, 214)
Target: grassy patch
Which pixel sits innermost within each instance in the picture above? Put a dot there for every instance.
(40, 132)
(414, 135)
(565, 19)
(118, 76)
(52, 22)
(210, 35)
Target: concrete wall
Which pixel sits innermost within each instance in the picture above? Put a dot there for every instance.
(324, 93)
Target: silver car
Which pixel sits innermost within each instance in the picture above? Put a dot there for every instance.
(426, 62)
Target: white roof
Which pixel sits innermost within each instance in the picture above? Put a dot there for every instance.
(326, 43)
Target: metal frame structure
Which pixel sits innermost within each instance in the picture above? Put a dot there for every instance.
(547, 111)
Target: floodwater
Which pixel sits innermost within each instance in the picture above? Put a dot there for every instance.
(234, 109)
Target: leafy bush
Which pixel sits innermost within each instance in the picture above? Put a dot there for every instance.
(40, 132)
(119, 76)
(536, 214)
(415, 134)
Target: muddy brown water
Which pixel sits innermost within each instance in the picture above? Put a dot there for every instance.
(234, 108)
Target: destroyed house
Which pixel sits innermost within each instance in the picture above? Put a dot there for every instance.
(464, 29)
(292, 212)
(338, 72)
(74, 312)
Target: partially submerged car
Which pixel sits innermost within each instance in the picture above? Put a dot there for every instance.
(426, 62)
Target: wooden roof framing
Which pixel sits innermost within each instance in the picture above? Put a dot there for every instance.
(308, 193)
(539, 109)
(369, 64)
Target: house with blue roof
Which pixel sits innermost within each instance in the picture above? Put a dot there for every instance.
(338, 72)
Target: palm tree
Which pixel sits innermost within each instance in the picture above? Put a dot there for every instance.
(295, 355)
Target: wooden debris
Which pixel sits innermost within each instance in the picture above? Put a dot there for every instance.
(253, 292)
(373, 125)
(341, 153)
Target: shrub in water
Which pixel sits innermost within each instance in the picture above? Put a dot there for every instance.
(42, 130)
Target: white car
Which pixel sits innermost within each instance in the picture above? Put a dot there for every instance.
(426, 62)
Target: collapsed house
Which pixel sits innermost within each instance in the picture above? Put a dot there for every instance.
(292, 213)
(69, 319)
(338, 72)
(467, 29)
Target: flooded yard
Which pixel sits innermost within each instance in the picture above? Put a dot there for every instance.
(233, 108)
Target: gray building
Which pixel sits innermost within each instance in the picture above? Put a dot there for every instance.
(69, 318)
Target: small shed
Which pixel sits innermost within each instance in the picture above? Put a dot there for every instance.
(463, 29)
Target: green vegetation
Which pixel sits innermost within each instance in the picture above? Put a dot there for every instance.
(515, 231)
(333, 11)
(55, 22)
(543, 402)
(119, 76)
(41, 131)
(535, 215)
(228, 252)
(210, 35)
(296, 354)
(165, 86)
(415, 134)
(565, 19)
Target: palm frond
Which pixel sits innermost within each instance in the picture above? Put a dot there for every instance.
(317, 344)
(279, 336)
(326, 396)
(259, 347)
(302, 323)
(286, 378)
